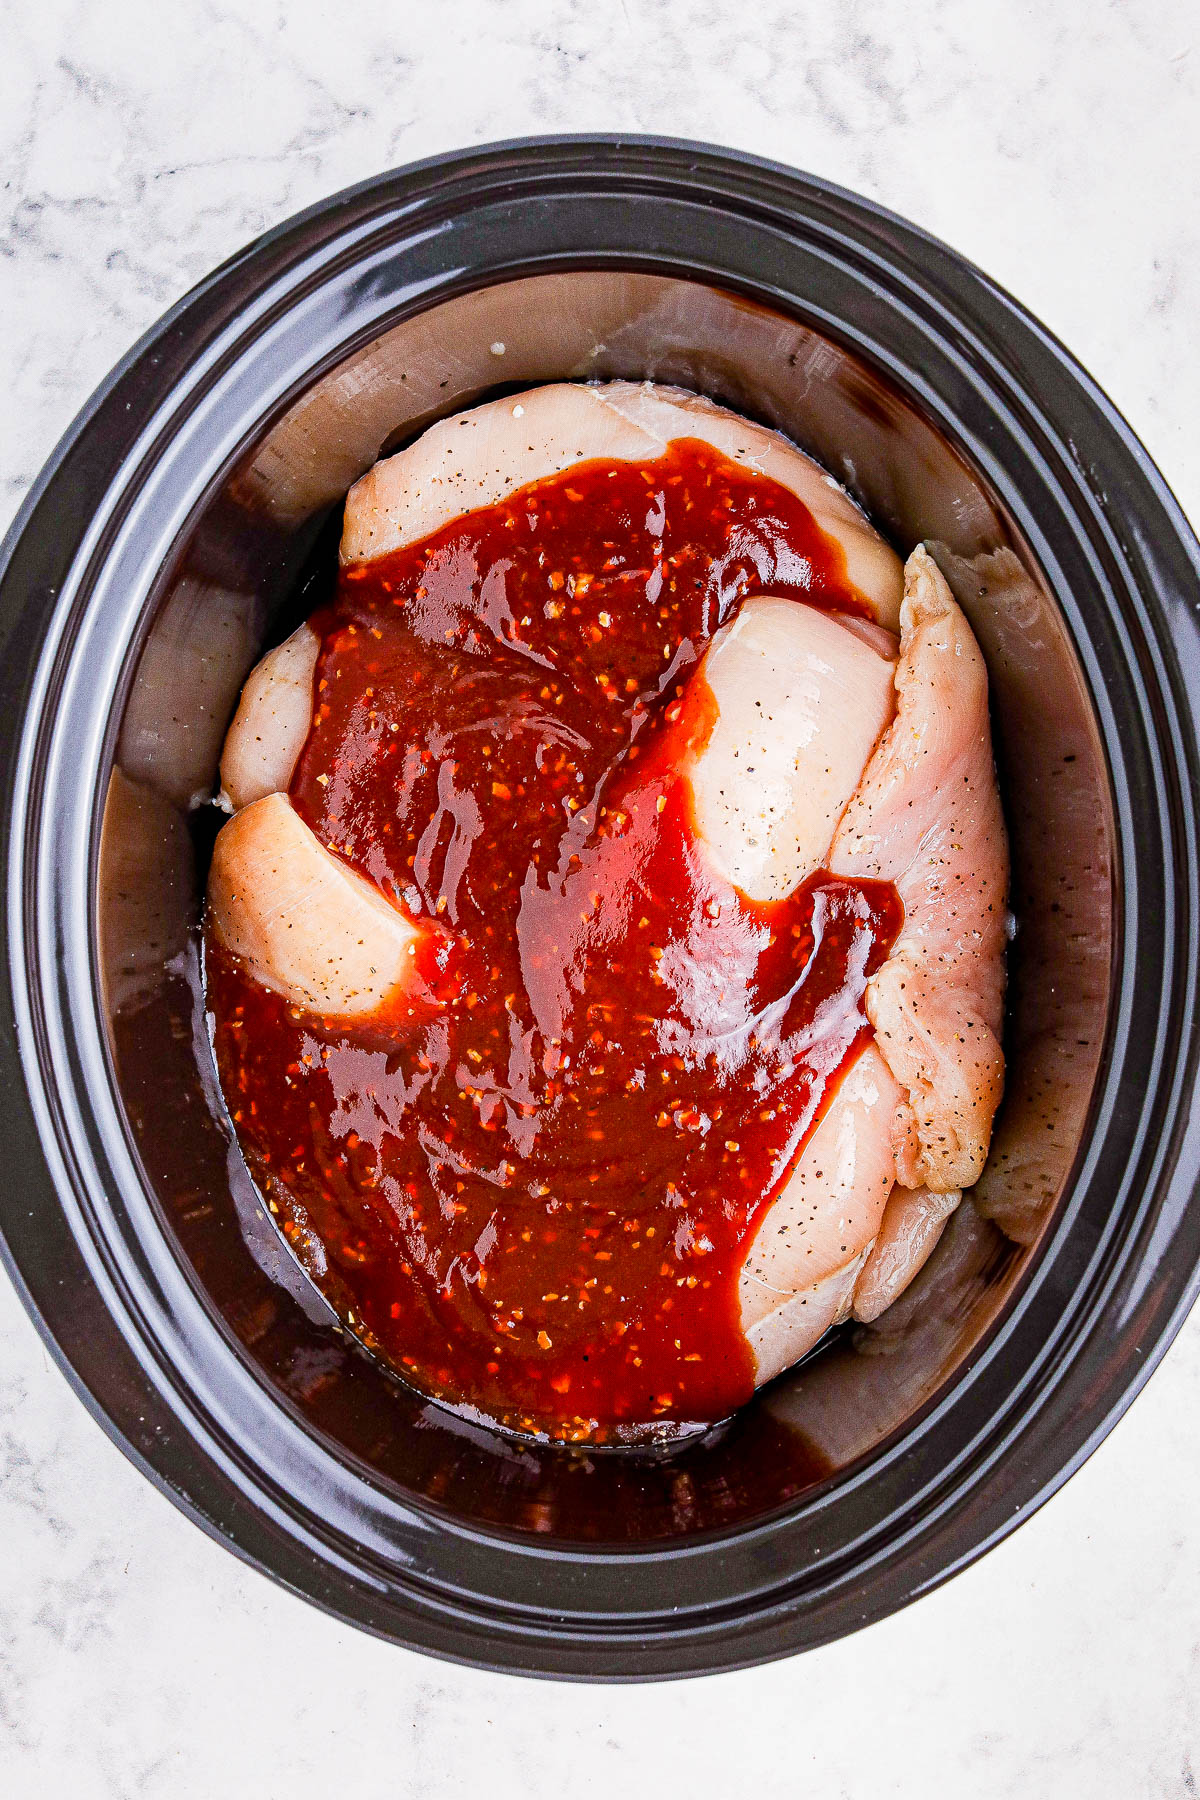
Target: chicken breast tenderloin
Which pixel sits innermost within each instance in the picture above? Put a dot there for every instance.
(482, 456)
(908, 1234)
(274, 715)
(307, 926)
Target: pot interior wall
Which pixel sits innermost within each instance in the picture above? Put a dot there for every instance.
(250, 568)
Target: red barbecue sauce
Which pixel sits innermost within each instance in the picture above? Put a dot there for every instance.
(531, 1186)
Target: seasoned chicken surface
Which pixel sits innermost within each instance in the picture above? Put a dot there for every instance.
(809, 1251)
(927, 817)
(912, 1223)
(271, 723)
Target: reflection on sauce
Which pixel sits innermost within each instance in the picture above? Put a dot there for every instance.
(530, 1187)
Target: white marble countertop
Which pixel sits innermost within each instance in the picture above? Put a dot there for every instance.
(140, 143)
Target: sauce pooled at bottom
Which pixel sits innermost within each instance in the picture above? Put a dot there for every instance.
(530, 1185)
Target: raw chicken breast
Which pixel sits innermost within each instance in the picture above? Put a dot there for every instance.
(307, 926)
(479, 457)
(807, 767)
(913, 1221)
(801, 702)
(801, 1269)
(271, 723)
(927, 816)
(832, 746)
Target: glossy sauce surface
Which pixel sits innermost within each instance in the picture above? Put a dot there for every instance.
(530, 1185)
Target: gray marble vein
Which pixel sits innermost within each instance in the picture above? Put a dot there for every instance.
(140, 143)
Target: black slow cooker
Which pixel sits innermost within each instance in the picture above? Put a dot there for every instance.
(189, 517)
